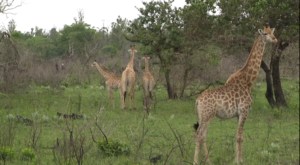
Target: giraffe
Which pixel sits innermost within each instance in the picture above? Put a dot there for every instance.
(148, 84)
(128, 79)
(111, 81)
(233, 99)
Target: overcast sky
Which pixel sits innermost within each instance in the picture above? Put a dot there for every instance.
(47, 14)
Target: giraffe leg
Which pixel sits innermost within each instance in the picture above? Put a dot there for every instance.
(201, 140)
(240, 138)
(197, 148)
(150, 99)
(124, 101)
(121, 96)
(145, 103)
(132, 95)
(109, 96)
(112, 97)
(145, 98)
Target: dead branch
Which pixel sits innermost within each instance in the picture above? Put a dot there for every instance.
(7, 5)
(101, 130)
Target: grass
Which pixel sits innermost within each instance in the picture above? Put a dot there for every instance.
(271, 136)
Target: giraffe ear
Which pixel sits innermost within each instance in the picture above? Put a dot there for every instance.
(260, 31)
(135, 50)
(129, 50)
(148, 58)
(143, 58)
(273, 29)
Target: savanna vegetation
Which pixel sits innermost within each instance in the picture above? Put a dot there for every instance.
(54, 106)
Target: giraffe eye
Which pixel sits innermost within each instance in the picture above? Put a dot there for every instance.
(265, 33)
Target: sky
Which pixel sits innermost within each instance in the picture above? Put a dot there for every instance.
(47, 14)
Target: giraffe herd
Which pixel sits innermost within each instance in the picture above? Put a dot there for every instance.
(233, 99)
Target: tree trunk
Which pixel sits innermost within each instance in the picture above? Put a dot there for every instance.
(169, 88)
(279, 95)
(184, 83)
(269, 92)
(274, 82)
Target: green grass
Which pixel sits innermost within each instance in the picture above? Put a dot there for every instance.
(271, 136)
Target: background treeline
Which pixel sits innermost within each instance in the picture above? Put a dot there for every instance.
(196, 45)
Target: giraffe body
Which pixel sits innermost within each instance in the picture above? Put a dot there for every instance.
(111, 82)
(128, 79)
(148, 85)
(233, 99)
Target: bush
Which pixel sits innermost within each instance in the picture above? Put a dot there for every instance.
(113, 147)
(28, 154)
(6, 153)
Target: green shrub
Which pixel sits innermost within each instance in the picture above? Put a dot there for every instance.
(6, 153)
(113, 147)
(28, 154)
(276, 113)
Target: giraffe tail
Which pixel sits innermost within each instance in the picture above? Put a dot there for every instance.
(196, 125)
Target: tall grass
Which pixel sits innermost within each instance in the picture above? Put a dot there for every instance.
(271, 136)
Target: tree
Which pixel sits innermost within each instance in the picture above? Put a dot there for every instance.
(12, 26)
(7, 5)
(9, 53)
(159, 29)
(77, 38)
(242, 18)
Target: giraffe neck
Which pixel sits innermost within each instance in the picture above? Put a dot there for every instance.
(130, 64)
(102, 71)
(248, 74)
(146, 64)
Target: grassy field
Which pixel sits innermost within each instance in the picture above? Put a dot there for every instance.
(271, 136)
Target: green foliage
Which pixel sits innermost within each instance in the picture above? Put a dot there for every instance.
(28, 154)
(17, 35)
(276, 113)
(44, 47)
(6, 153)
(110, 50)
(76, 36)
(158, 25)
(113, 147)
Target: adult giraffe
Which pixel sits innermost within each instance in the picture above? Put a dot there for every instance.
(128, 79)
(233, 99)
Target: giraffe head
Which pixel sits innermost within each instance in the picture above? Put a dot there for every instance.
(132, 48)
(267, 34)
(146, 57)
(94, 63)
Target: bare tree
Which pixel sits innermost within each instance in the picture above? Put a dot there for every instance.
(6, 6)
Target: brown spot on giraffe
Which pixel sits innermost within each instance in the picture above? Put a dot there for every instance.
(239, 102)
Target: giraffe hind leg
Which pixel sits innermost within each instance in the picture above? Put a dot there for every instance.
(201, 141)
(124, 100)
